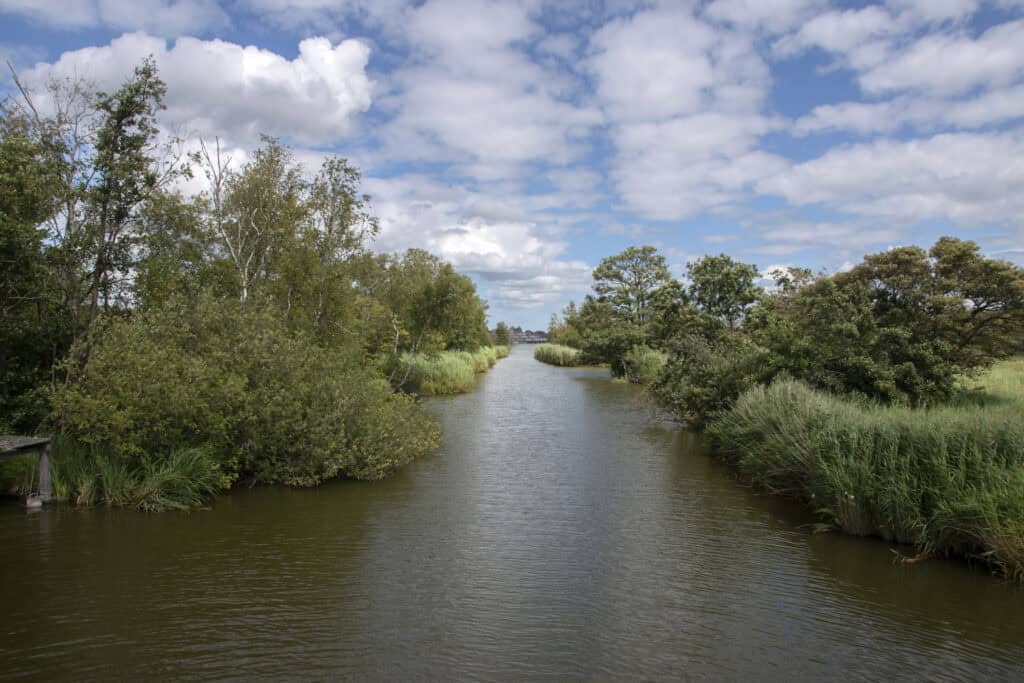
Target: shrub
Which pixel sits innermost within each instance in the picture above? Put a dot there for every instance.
(702, 378)
(231, 382)
(643, 364)
(556, 354)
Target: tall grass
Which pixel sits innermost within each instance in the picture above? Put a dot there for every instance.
(557, 354)
(947, 480)
(448, 372)
(183, 480)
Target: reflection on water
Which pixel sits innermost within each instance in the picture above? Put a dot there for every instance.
(565, 530)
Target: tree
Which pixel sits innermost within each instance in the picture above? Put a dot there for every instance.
(722, 287)
(28, 333)
(124, 178)
(904, 325)
(501, 335)
(628, 280)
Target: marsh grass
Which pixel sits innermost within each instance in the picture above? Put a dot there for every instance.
(185, 479)
(948, 480)
(449, 372)
(557, 354)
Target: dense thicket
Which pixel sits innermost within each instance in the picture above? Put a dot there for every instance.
(247, 328)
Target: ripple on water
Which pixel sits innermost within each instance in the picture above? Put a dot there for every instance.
(564, 530)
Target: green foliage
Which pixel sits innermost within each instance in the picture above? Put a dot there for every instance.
(722, 288)
(446, 372)
(557, 354)
(564, 331)
(501, 335)
(627, 281)
(28, 329)
(183, 480)
(946, 480)
(703, 377)
(896, 327)
(230, 380)
(643, 364)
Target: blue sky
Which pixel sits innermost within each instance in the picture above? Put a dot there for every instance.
(524, 141)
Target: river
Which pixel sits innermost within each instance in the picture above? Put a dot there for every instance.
(565, 530)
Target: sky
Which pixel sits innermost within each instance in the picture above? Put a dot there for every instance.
(524, 141)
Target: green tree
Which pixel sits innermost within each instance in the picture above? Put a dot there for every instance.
(722, 287)
(501, 335)
(628, 280)
(125, 177)
(28, 331)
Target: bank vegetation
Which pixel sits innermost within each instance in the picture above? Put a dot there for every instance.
(177, 345)
(886, 397)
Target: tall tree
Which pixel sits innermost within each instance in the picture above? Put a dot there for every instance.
(628, 280)
(722, 287)
(125, 176)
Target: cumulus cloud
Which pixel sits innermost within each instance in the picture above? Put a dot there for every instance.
(216, 87)
(163, 17)
(685, 106)
(949, 176)
(475, 97)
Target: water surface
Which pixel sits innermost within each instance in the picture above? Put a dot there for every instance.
(564, 531)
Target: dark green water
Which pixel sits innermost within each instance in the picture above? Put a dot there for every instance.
(564, 531)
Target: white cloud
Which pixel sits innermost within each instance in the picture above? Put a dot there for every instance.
(220, 88)
(475, 97)
(162, 17)
(772, 16)
(929, 114)
(503, 241)
(685, 104)
(968, 178)
(950, 64)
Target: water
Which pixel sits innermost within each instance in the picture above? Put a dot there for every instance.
(564, 531)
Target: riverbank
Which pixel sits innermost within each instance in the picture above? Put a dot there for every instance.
(447, 372)
(946, 480)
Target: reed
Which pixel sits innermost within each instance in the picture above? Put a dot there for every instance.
(448, 372)
(946, 480)
(557, 354)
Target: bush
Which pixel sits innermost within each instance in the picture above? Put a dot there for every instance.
(701, 378)
(948, 480)
(556, 354)
(231, 382)
(643, 364)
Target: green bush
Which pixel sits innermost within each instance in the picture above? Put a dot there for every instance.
(643, 364)
(262, 403)
(556, 354)
(946, 480)
(702, 378)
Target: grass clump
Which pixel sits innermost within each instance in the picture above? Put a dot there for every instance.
(448, 372)
(557, 354)
(185, 479)
(947, 480)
